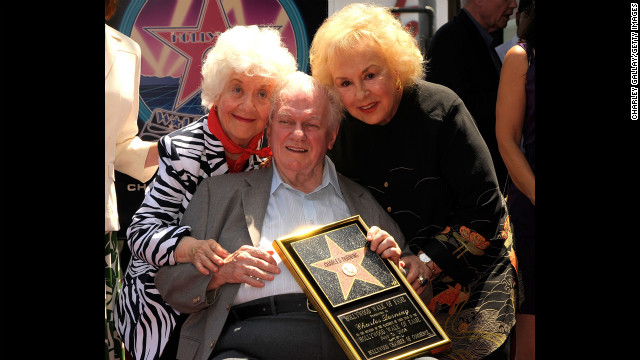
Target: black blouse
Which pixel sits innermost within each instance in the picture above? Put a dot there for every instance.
(430, 168)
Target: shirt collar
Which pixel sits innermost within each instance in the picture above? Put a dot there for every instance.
(329, 177)
(488, 39)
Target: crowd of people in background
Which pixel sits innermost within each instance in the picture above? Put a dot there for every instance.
(435, 151)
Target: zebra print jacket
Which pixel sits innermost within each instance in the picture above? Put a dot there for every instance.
(187, 156)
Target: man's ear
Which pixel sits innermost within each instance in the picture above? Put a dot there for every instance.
(332, 137)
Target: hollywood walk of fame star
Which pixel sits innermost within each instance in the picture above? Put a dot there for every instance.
(192, 43)
(347, 265)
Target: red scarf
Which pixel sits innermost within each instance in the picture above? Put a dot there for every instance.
(230, 146)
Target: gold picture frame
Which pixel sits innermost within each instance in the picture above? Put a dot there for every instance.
(365, 300)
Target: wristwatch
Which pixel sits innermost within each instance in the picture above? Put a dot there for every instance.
(424, 258)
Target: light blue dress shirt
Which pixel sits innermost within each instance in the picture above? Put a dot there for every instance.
(290, 211)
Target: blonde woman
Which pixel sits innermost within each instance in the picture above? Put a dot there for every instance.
(415, 146)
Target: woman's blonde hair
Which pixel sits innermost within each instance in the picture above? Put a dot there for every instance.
(247, 50)
(366, 25)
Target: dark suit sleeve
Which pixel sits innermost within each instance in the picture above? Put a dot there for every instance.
(182, 286)
(459, 59)
(446, 61)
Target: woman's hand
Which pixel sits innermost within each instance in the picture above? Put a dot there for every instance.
(204, 254)
(248, 265)
(417, 271)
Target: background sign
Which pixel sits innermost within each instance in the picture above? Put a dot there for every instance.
(174, 37)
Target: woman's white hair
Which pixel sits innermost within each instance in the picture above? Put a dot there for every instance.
(247, 50)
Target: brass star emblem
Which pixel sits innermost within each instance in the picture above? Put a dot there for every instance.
(347, 266)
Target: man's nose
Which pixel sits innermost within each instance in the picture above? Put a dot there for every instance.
(298, 131)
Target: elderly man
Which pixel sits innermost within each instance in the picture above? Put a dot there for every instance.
(462, 57)
(252, 307)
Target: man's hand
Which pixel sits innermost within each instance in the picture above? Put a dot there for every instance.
(384, 244)
(248, 265)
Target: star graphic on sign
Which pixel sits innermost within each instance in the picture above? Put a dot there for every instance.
(347, 265)
(192, 42)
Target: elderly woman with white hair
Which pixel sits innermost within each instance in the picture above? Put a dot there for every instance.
(239, 76)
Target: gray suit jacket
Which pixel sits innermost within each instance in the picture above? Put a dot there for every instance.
(231, 209)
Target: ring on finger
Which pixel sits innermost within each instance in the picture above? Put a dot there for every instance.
(423, 281)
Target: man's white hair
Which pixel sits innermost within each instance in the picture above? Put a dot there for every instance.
(301, 82)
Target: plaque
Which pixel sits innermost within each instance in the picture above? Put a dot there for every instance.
(365, 300)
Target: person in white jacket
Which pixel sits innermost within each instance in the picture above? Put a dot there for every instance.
(124, 151)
